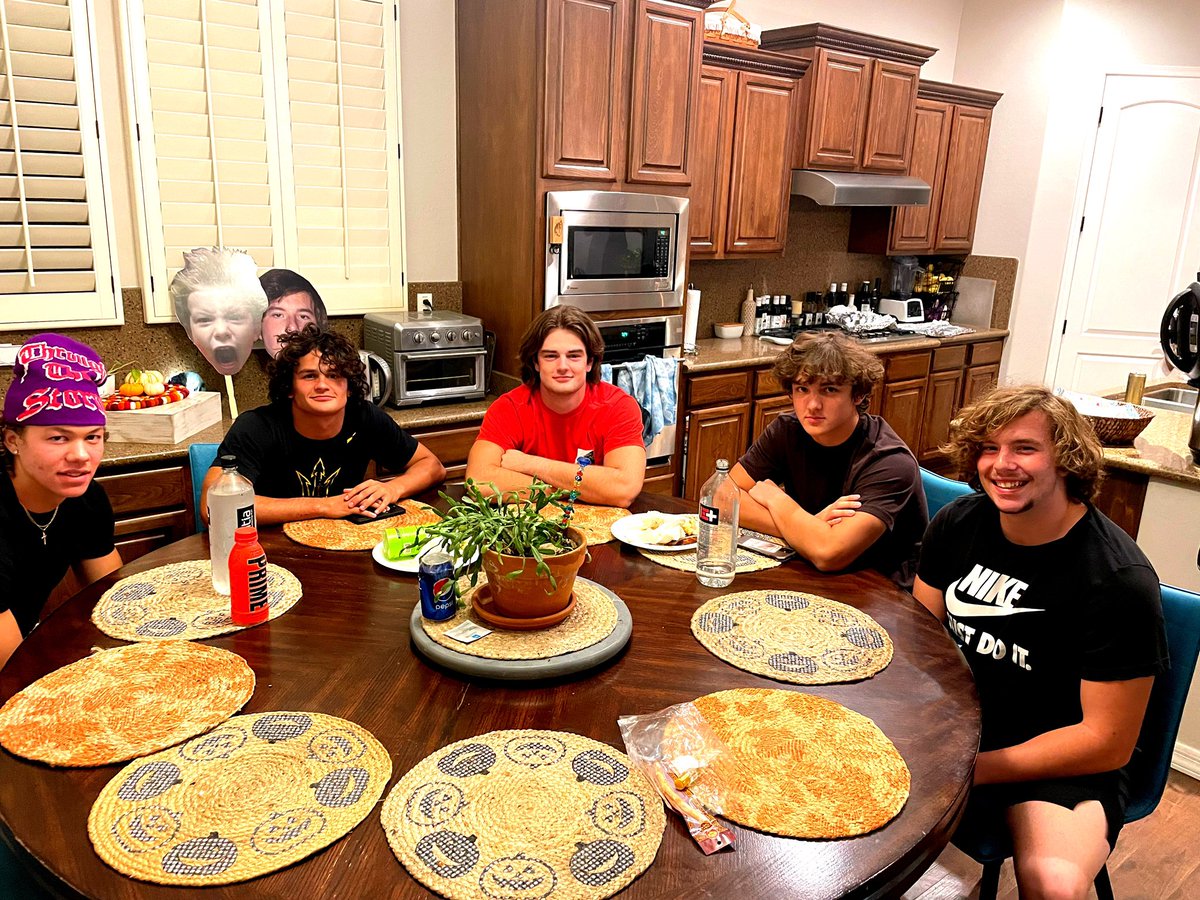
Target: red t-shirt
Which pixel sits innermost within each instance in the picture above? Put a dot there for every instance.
(607, 419)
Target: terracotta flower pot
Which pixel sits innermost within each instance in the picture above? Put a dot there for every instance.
(523, 596)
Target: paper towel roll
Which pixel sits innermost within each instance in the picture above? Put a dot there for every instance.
(691, 318)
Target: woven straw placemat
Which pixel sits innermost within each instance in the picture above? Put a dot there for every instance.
(177, 602)
(592, 620)
(685, 560)
(126, 702)
(254, 795)
(338, 534)
(801, 766)
(791, 636)
(522, 815)
(594, 521)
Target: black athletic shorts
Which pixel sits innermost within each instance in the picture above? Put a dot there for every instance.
(988, 803)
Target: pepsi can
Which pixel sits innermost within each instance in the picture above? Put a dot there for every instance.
(439, 588)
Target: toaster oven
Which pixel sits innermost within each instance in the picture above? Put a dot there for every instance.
(436, 357)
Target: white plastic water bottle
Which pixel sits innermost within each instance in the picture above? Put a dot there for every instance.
(230, 507)
(716, 546)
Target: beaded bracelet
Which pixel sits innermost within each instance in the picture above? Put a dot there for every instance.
(583, 462)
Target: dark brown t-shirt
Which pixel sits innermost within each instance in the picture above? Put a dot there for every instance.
(880, 468)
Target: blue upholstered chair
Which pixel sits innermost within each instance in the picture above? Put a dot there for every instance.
(201, 458)
(1151, 762)
(940, 490)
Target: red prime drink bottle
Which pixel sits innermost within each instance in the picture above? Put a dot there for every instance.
(247, 579)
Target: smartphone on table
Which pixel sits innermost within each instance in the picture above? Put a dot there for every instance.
(388, 512)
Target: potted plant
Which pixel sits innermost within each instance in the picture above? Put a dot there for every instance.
(530, 560)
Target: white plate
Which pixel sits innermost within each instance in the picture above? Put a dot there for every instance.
(410, 565)
(629, 530)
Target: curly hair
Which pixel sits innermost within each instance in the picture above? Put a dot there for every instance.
(829, 356)
(216, 267)
(569, 318)
(339, 359)
(1077, 452)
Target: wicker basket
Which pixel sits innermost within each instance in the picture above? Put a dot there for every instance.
(1120, 431)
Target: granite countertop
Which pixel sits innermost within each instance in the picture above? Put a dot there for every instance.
(714, 353)
(121, 452)
(1161, 450)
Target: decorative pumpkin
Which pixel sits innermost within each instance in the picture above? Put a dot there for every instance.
(599, 862)
(535, 752)
(434, 804)
(281, 727)
(620, 813)
(146, 828)
(283, 831)
(149, 781)
(598, 767)
(219, 744)
(341, 787)
(468, 760)
(518, 877)
(201, 856)
(336, 746)
(448, 853)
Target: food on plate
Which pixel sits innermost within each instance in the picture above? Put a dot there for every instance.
(668, 531)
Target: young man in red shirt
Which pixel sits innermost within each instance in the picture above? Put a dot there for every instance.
(562, 412)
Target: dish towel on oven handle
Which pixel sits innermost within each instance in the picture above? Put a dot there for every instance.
(653, 383)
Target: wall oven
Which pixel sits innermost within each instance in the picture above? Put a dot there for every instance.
(609, 250)
(435, 356)
(627, 342)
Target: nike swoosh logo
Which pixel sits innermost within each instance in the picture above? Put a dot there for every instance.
(960, 608)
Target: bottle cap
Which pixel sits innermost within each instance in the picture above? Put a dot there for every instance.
(228, 460)
(722, 464)
(245, 534)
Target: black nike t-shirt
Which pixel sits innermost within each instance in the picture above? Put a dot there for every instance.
(1035, 621)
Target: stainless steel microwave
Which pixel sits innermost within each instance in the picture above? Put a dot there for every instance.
(613, 250)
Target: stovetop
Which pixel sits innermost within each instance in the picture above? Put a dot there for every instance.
(788, 334)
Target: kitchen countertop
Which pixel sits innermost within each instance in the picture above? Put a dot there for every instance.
(1161, 450)
(714, 354)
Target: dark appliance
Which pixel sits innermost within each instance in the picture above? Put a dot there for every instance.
(630, 340)
(1180, 336)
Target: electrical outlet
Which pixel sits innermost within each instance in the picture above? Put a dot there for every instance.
(425, 302)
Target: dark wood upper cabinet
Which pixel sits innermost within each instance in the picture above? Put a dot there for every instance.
(713, 151)
(913, 226)
(587, 45)
(667, 48)
(963, 180)
(858, 97)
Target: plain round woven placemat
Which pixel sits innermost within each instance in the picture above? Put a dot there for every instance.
(800, 765)
(338, 534)
(126, 702)
(792, 636)
(524, 814)
(594, 521)
(592, 620)
(254, 795)
(177, 602)
(685, 560)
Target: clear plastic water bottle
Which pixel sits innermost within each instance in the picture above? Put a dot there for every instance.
(230, 507)
(716, 547)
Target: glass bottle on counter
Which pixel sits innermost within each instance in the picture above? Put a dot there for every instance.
(831, 295)
(716, 545)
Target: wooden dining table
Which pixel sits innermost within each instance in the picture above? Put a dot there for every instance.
(345, 650)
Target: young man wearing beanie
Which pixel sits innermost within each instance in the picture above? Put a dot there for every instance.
(53, 516)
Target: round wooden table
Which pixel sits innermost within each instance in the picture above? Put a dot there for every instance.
(344, 649)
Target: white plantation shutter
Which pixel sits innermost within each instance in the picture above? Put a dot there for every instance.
(265, 125)
(56, 267)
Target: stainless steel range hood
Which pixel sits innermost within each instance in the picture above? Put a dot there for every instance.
(860, 188)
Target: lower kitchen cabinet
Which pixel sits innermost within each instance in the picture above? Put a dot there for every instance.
(450, 444)
(152, 505)
(767, 411)
(904, 408)
(720, 432)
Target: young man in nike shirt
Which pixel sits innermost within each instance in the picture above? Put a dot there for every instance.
(1058, 614)
(561, 412)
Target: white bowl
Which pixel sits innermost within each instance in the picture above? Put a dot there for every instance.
(728, 330)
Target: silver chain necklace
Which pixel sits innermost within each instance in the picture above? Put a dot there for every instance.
(38, 525)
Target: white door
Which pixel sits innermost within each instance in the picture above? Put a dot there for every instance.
(1140, 241)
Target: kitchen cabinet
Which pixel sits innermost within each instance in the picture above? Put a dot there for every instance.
(858, 97)
(983, 369)
(902, 401)
(950, 135)
(943, 398)
(741, 189)
(152, 505)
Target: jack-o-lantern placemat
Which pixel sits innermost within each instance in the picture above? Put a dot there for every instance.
(126, 702)
(178, 602)
(594, 521)
(339, 534)
(522, 815)
(253, 795)
(792, 636)
(685, 560)
(591, 621)
(800, 765)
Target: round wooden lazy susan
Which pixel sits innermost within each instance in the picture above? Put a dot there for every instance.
(520, 815)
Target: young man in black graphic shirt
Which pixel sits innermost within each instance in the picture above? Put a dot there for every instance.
(1058, 614)
(307, 451)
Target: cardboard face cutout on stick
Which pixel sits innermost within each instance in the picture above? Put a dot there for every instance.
(292, 303)
(220, 304)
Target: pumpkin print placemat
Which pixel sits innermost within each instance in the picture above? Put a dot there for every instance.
(592, 620)
(524, 814)
(685, 560)
(126, 702)
(800, 765)
(254, 795)
(791, 636)
(339, 534)
(178, 602)
(594, 521)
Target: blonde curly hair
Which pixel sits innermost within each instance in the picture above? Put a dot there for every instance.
(1077, 452)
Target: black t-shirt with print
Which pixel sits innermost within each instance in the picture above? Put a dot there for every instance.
(29, 570)
(279, 462)
(1035, 621)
